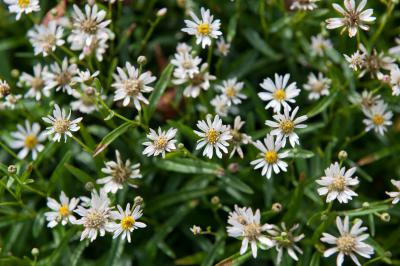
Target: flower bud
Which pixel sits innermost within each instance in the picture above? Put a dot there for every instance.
(385, 217)
(342, 155)
(89, 186)
(35, 252)
(12, 169)
(162, 12)
(233, 167)
(142, 60)
(15, 73)
(196, 230)
(276, 207)
(215, 200)
(365, 205)
(138, 200)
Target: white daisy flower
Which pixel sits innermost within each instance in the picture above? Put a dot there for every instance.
(195, 84)
(246, 225)
(356, 60)
(366, 99)
(271, 157)
(88, 26)
(95, 217)
(223, 47)
(60, 77)
(353, 17)
(35, 83)
(304, 5)
(232, 90)
(84, 76)
(160, 142)
(22, 6)
(127, 221)
(317, 86)
(61, 212)
(61, 124)
(395, 194)
(375, 62)
(214, 135)
(285, 124)
(204, 29)
(97, 48)
(86, 100)
(119, 173)
(221, 105)
(319, 44)
(46, 38)
(183, 48)
(378, 118)
(337, 182)
(28, 139)
(278, 93)
(284, 238)
(349, 243)
(131, 85)
(186, 65)
(395, 80)
(4, 88)
(12, 100)
(238, 138)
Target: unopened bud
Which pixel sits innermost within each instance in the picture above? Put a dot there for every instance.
(365, 205)
(12, 169)
(181, 145)
(138, 200)
(35, 252)
(142, 60)
(276, 207)
(89, 186)
(385, 217)
(233, 167)
(15, 73)
(162, 12)
(342, 155)
(215, 200)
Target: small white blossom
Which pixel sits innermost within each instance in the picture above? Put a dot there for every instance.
(223, 47)
(395, 194)
(196, 230)
(278, 93)
(194, 85)
(186, 64)
(61, 124)
(317, 86)
(285, 124)
(232, 90)
(395, 80)
(377, 118)
(283, 238)
(118, 174)
(22, 6)
(160, 143)
(214, 135)
(304, 5)
(35, 83)
(245, 225)
(396, 49)
(62, 212)
(86, 100)
(366, 99)
(319, 44)
(46, 38)
(353, 17)
(60, 77)
(94, 218)
(4, 88)
(271, 158)
(356, 60)
(125, 221)
(337, 182)
(221, 105)
(12, 100)
(238, 138)
(131, 85)
(84, 76)
(204, 28)
(349, 243)
(28, 139)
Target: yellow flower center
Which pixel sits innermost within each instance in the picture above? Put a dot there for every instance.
(287, 126)
(31, 141)
(346, 243)
(230, 92)
(203, 28)
(61, 126)
(4, 90)
(127, 222)
(212, 136)
(23, 3)
(160, 143)
(37, 83)
(252, 231)
(132, 87)
(271, 157)
(64, 211)
(280, 95)
(378, 119)
(338, 184)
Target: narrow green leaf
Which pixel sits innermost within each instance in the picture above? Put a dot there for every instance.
(159, 89)
(79, 174)
(322, 105)
(235, 260)
(110, 137)
(300, 153)
(259, 44)
(117, 247)
(362, 212)
(189, 166)
(214, 251)
(75, 256)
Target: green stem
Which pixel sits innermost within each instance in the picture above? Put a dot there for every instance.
(28, 187)
(149, 33)
(84, 146)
